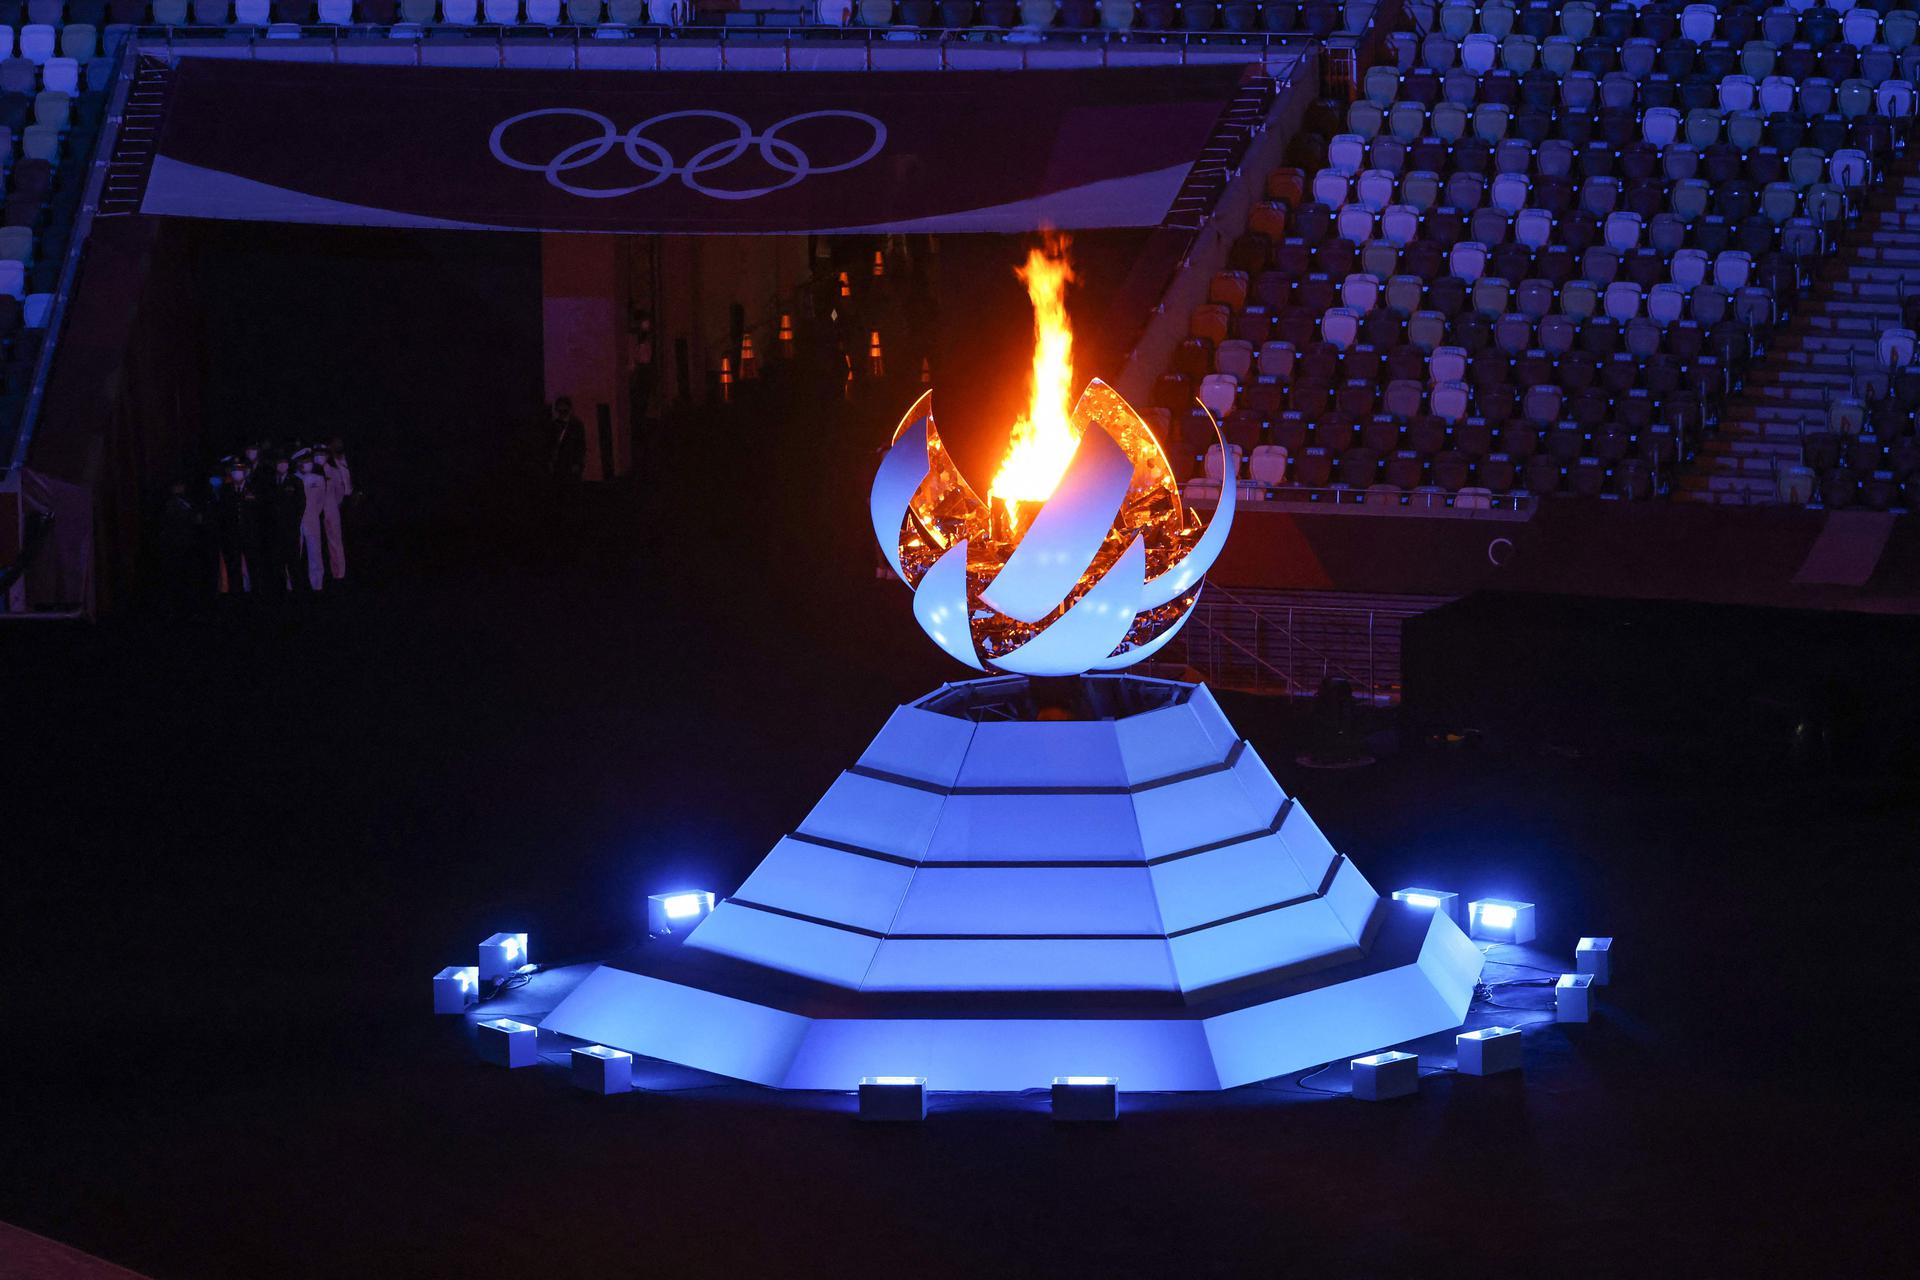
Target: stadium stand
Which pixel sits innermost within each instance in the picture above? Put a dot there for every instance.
(54, 71)
(1543, 247)
(1315, 18)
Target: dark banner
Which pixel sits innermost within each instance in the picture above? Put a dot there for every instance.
(727, 152)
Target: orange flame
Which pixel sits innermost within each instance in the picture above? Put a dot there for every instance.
(1044, 439)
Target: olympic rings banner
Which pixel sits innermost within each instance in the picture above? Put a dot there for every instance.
(677, 151)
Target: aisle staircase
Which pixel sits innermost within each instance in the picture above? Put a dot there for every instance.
(1812, 360)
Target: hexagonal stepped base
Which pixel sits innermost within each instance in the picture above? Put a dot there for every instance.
(995, 895)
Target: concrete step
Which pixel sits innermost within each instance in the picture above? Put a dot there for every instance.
(1748, 486)
(1842, 325)
(1881, 310)
(1730, 440)
(1850, 290)
(1818, 355)
(1706, 497)
(1861, 271)
(1751, 464)
(1775, 393)
(1887, 255)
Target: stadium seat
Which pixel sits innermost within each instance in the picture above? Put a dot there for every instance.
(37, 42)
(16, 245)
(61, 75)
(502, 13)
(51, 107)
(1222, 463)
(40, 142)
(1267, 464)
(79, 40)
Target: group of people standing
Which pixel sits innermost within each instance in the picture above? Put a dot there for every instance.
(271, 519)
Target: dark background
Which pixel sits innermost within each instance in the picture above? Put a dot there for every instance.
(240, 842)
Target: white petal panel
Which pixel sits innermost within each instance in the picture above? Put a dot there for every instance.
(901, 471)
(1181, 577)
(1088, 632)
(1141, 652)
(1060, 543)
(940, 605)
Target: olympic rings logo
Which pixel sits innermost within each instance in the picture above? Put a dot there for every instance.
(655, 160)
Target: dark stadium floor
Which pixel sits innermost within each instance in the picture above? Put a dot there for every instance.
(237, 847)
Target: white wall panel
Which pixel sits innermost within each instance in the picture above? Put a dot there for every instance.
(1293, 935)
(1352, 899)
(1226, 881)
(1020, 966)
(1158, 744)
(815, 951)
(1310, 849)
(1036, 828)
(680, 1024)
(1039, 753)
(883, 816)
(1197, 811)
(920, 744)
(828, 883)
(1029, 900)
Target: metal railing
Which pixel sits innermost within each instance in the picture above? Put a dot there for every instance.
(1260, 647)
(893, 42)
(95, 162)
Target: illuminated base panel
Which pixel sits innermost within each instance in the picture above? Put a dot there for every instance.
(990, 899)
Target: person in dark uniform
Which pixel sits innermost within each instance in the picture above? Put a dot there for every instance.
(256, 510)
(288, 508)
(229, 518)
(182, 550)
(567, 440)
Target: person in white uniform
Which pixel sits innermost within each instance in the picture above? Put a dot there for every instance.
(316, 486)
(332, 463)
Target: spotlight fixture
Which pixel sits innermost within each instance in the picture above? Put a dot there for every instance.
(672, 914)
(1594, 957)
(893, 1097)
(1488, 1051)
(1500, 920)
(1573, 998)
(507, 1043)
(501, 954)
(1447, 904)
(598, 1069)
(453, 986)
(1380, 1076)
(1086, 1098)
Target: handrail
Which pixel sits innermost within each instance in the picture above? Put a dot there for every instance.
(721, 35)
(96, 162)
(1511, 505)
(1293, 637)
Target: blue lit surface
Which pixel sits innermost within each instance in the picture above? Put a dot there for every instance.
(1381, 1059)
(1498, 917)
(685, 906)
(949, 865)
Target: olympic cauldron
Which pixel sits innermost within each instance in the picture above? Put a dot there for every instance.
(1002, 888)
(1095, 577)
